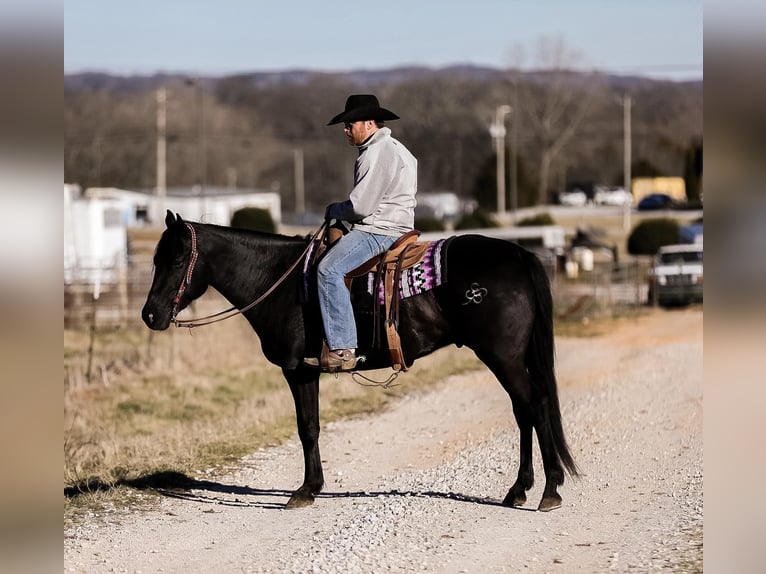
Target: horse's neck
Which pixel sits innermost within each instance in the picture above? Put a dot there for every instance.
(241, 267)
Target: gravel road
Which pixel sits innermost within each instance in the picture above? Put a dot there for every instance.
(417, 488)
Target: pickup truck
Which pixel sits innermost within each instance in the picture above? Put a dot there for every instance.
(676, 275)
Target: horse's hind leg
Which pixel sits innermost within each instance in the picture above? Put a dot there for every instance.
(554, 473)
(517, 495)
(514, 378)
(528, 416)
(531, 411)
(304, 385)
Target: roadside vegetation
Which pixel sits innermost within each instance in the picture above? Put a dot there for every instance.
(181, 404)
(146, 407)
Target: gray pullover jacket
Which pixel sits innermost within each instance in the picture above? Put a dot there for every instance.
(385, 183)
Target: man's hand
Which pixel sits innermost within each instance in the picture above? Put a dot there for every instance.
(328, 212)
(342, 210)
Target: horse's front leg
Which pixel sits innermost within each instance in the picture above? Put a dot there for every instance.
(304, 385)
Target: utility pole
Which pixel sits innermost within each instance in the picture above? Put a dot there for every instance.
(202, 140)
(199, 97)
(300, 202)
(161, 188)
(515, 153)
(626, 109)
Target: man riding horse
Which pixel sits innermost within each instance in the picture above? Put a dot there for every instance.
(380, 208)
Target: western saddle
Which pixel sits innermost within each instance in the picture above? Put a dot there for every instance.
(405, 252)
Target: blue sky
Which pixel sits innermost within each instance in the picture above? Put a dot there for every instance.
(657, 38)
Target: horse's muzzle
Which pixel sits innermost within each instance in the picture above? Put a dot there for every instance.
(153, 319)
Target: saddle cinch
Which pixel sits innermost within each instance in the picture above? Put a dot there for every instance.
(405, 252)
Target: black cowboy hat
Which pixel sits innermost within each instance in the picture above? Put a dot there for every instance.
(363, 107)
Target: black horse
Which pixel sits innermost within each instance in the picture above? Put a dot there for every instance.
(496, 301)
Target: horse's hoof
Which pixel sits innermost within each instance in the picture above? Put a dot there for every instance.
(515, 500)
(549, 503)
(300, 500)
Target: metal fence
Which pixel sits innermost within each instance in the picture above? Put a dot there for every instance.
(116, 302)
(605, 289)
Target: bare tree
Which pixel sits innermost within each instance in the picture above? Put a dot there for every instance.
(554, 101)
(565, 125)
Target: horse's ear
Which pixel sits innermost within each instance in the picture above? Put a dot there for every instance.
(169, 218)
(178, 218)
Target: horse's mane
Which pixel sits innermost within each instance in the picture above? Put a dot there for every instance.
(247, 235)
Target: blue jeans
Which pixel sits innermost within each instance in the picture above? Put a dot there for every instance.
(348, 253)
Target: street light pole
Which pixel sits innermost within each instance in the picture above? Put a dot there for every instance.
(497, 130)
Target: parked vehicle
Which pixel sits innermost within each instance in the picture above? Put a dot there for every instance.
(616, 196)
(655, 201)
(574, 198)
(677, 275)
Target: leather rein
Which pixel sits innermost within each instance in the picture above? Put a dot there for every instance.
(233, 310)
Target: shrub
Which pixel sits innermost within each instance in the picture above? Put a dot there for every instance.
(651, 234)
(534, 220)
(429, 224)
(253, 218)
(477, 220)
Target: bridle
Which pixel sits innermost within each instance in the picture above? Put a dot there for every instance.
(233, 310)
(188, 275)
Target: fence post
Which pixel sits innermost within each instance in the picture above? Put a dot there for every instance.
(92, 341)
(594, 281)
(122, 292)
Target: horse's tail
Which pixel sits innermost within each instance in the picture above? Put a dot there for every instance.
(540, 359)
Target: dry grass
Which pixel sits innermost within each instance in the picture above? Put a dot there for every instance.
(187, 402)
(593, 324)
(175, 402)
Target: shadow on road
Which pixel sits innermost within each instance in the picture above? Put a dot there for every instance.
(178, 485)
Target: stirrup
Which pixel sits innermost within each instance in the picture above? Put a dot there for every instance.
(333, 362)
(345, 360)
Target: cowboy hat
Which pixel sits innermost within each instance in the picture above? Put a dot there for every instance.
(362, 107)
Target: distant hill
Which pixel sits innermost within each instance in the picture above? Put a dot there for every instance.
(362, 78)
